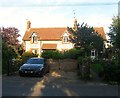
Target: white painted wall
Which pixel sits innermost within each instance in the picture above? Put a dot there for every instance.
(34, 46)
(60, 45)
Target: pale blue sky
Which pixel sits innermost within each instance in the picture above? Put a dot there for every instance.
(57, 13)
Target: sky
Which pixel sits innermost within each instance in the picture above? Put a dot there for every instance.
(57, 13)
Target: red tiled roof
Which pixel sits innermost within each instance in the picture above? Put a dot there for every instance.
(49, 46)
(100, 31)
(45, 33)
(54, 33)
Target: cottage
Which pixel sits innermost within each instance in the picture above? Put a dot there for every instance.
(39, 39)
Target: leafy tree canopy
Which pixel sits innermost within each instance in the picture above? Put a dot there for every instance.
(85, 37)
(10, 36)
(114, 32)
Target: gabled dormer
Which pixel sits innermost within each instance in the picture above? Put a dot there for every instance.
(65, 37)
(34, 38)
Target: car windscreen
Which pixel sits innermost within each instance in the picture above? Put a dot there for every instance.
(35, 61)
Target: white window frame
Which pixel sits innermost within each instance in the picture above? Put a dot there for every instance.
(34, 37)
(65, 37)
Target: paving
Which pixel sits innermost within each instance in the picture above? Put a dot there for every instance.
(56, 83)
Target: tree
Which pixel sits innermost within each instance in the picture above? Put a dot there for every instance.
(114, 32)
(114, 35)
(8, 53)
(10, 36)
(85, 37)
(10, 46)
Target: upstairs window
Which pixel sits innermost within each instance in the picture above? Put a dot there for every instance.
(34, 38)
(65, 37)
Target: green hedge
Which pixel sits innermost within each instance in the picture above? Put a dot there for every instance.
(98, 68)
(73, 54)
(111, 72)
(108, 70)
(52, 54)
(8, 53)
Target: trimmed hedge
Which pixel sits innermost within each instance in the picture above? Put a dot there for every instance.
(52, 54)
(72, 54)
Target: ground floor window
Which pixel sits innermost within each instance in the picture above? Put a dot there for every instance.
(93, 54)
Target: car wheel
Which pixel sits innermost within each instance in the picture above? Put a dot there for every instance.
(20, 75)
(48, 71)
(42, 73)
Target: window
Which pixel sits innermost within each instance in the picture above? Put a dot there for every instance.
(92, 52)
(34, 38)
(65, 39)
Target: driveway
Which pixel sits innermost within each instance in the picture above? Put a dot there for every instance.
(56, 83)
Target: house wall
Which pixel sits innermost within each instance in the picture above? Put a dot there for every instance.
(30, 46)
(60, 45)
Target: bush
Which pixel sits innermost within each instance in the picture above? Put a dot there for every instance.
(107, 69)
(84, 67)
(112, 73)
(52, 54)
(15, 65)
(8, 53)
(118, 58)
(26, 55)
(80, 60)
(74, 53)
(98, 68)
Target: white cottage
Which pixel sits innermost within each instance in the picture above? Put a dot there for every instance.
(39, 39)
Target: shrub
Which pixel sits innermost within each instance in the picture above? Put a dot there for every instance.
(26, 55)
(118, 58)
(15, 65)
(52, 54)
(57, 55)
(84, 67)
(8, 53)
(74, 53)
(80, 60)
(98, 68)
(112, 73)
(109, 70)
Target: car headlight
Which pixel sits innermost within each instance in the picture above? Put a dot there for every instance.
(40, 68)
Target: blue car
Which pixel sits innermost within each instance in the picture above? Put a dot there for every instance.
(34, 67)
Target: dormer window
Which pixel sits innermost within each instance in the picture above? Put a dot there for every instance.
(34, 37)
(65, 37)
